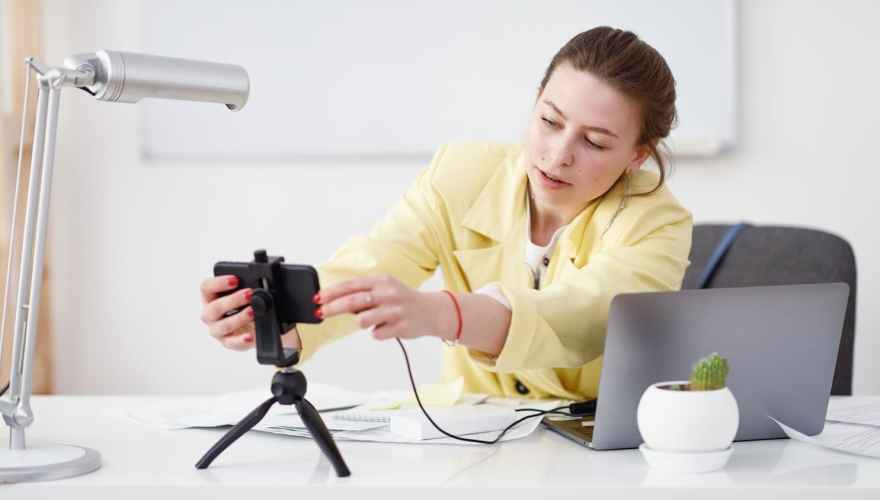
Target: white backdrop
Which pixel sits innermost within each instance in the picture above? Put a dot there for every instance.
(388, 78)
(130, 242)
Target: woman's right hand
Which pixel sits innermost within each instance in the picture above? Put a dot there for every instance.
(235, 332)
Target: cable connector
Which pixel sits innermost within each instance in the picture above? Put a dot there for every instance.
(583, 407)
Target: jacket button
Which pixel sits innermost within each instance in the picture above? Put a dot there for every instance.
(521, 388)
(546, 261)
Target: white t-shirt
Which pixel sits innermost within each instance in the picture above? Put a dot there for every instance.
(537, 258)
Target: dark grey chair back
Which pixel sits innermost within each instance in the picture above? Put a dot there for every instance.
(768, 255)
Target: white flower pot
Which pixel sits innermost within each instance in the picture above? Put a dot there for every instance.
(687, 421)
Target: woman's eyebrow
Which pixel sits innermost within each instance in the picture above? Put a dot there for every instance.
(596, 129)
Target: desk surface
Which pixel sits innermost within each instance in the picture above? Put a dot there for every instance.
(544, 465)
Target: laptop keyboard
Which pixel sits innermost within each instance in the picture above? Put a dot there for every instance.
(576, 427)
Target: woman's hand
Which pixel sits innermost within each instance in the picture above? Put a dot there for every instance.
(234, 332)
(391, 308)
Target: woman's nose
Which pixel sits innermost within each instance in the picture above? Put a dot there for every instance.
(561, 155)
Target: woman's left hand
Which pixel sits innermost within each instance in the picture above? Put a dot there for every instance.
(390, 307)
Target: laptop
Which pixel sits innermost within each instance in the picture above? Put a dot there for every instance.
(781, 343)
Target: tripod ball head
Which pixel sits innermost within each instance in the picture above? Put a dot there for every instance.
(289, 385)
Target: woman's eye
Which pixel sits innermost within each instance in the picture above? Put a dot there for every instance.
(593, 144)
(553, 124)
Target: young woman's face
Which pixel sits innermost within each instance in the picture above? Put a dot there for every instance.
(581, 138)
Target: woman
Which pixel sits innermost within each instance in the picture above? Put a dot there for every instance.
(534, 240)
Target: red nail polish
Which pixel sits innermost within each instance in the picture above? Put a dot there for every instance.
(251, 313)
(248, 338)
(233, 281)
(319, 313)
(317, 298)
(248, 294)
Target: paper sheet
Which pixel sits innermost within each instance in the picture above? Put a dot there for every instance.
(848, 438)
(865, 411)
(295, 423)
(383, 433)
(229, 409)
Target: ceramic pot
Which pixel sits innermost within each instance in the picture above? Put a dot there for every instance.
(687, 421)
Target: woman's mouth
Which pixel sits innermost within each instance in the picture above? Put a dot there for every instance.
(551, 181)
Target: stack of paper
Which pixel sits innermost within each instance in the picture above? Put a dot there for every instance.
(388, 416)
(864, 411)
(483, 421)
(459, 421)
(230, 408)
(850, 427)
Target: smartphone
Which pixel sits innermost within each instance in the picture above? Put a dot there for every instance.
(294, 288)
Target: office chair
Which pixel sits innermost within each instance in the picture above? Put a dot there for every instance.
(772, 255)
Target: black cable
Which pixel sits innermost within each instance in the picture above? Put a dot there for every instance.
(574, 409)
(547, 412)
(472, 440)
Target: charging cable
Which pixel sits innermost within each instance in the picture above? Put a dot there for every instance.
(574, 409)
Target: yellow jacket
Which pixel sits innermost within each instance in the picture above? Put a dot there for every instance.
(467, 213)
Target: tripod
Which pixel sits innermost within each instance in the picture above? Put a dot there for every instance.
(288, 383)
(288, 387)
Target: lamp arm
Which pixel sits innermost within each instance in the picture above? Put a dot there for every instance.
(108, 76)
(16, 411)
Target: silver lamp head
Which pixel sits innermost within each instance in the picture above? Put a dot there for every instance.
(130, 76)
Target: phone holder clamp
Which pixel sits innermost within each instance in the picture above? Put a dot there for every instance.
(288, 384)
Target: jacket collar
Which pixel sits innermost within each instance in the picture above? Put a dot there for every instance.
(499, 211)
(501, 203)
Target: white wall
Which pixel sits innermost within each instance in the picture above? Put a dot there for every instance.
(130, 242)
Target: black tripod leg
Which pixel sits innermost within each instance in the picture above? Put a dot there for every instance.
(236, 432)
(319, 431)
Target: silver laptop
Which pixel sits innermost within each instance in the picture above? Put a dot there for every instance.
(781, 343)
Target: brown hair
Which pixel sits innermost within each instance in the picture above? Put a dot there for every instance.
(633, 67)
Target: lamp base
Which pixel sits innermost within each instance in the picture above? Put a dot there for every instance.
(45, 463)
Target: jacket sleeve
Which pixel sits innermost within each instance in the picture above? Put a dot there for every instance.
(563, 325)
(404, 244)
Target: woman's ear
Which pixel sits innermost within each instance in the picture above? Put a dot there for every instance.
(642, 153)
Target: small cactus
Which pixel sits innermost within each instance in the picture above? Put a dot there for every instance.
(709, 373)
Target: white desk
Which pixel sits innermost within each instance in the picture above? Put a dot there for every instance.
(149, 463)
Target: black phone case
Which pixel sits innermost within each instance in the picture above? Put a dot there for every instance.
(296, 287)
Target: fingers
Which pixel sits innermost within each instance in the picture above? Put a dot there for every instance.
(211, 287)
(379, 316)
(238, 342)
(215, 310)
(232, 324)
(353, 303)
(338, 290)
(386, 331)
(358, 295)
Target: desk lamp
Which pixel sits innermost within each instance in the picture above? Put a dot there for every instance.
(108, 76)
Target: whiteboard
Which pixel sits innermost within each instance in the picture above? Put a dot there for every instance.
(395, 79)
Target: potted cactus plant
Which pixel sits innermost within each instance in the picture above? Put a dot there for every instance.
(690, 425)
